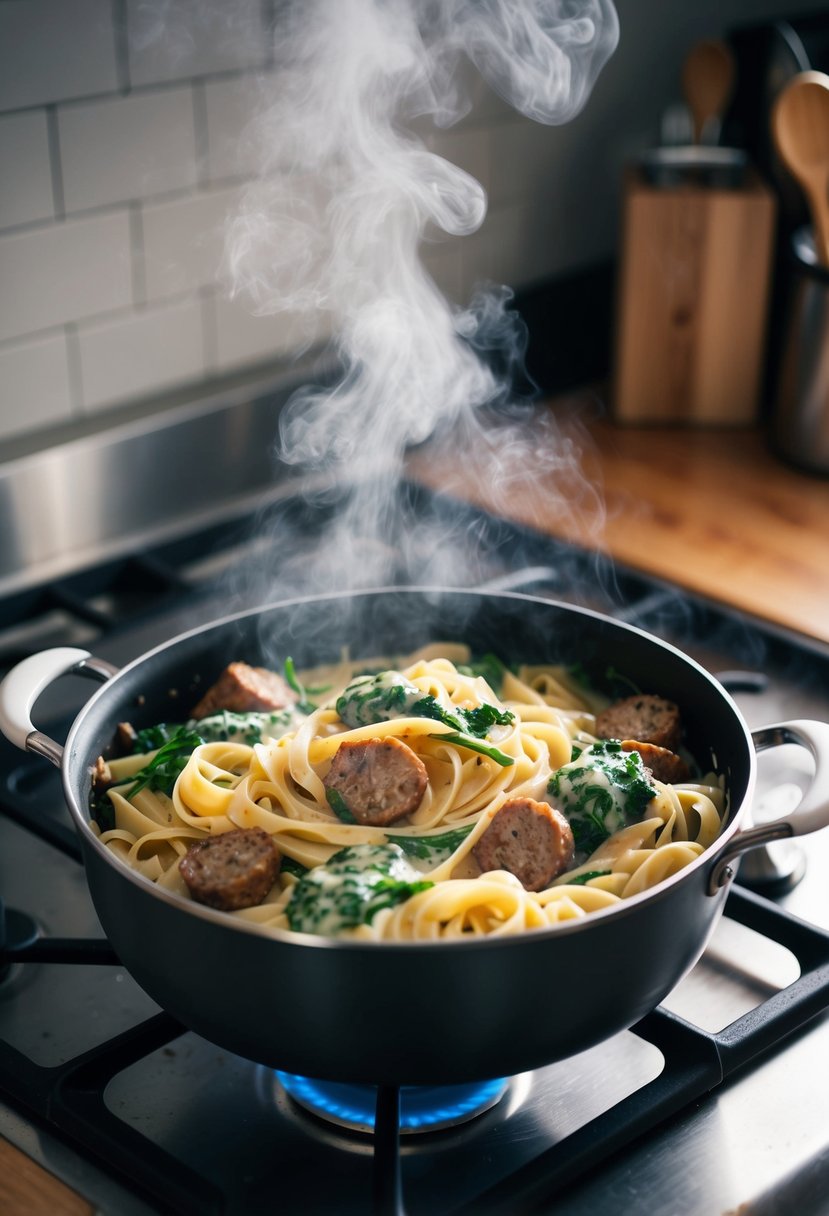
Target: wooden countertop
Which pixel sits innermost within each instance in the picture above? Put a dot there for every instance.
(712, 510)
(28, 1190)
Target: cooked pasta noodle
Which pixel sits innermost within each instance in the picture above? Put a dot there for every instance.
(278, 785)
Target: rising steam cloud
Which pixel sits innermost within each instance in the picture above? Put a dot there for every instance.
(348, 193)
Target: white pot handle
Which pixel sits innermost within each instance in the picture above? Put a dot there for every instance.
(810, 814)
(25, 683)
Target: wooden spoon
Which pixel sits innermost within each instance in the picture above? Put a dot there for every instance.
(800, 126)
(707, 81)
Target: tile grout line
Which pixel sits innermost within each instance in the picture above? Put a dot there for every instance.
(201, 134)
(120, 34)
(268, 17)
(74, 368)
(55, 163)
(210, 330)
(138, 270)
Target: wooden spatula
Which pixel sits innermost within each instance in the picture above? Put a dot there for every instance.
(707, 81)
(800, 126)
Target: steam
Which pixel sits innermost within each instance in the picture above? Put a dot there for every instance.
(334, 228)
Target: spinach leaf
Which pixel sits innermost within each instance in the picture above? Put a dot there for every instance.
(169, 761)
(292, 680)
(425, 847)
(249, 727)
(619, 684)
(479, 720)
(377, 698)
(339, 805)
(612, 682)
(289, 865)
(102, 811)
(153, 737)
(475, 721)
(600, 791)
(489, 666)
(475, 745)
(351, 888)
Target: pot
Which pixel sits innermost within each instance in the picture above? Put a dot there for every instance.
(415, 1012)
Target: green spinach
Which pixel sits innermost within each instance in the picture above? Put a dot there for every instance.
(351, 888)
(600, 791)
(388, 694)
(169, 761)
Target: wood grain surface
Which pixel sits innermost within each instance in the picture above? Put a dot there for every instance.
(714, 511)
(691, 318)
(28, 1190)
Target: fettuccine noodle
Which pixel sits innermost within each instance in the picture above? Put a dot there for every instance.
(278, 785)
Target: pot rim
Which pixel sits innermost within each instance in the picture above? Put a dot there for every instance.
(222, 920)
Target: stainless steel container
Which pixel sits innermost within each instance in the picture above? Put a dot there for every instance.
(714, 168)
(800, 425)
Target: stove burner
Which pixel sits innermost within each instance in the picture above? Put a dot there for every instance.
(423, 1108)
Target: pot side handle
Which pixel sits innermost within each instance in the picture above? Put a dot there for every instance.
(25, 683)
(810, 814)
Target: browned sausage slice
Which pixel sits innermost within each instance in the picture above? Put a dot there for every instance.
(646, 718)
(245, 689)
(378, 780)
(664, 764)
(231, 871)
(530, 839)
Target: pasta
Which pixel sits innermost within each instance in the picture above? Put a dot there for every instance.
(431, 884)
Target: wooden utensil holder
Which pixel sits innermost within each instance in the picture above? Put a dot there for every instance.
(692, 302)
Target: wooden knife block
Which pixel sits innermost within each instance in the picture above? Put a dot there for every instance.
(692, 303)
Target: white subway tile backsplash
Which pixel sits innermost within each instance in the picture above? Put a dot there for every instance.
(176, 41)
(34, 385)
(123, 148)
(51, 50)
(64, 272)
(245, 338)
(184, 242)
(25, 174)
(141, 354)
(231, 103)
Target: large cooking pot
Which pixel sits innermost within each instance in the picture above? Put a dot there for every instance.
(409, 1013)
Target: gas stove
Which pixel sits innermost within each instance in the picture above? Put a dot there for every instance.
(715, 1102)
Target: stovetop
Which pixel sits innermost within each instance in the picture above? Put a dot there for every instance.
(714, 1103)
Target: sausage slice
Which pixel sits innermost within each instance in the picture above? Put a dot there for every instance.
(231, 871)
(245, 689)
(664, 764)
(378, 780)
(531, 839)
(648, 719)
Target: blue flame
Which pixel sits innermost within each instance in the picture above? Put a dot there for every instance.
(422, 1107)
